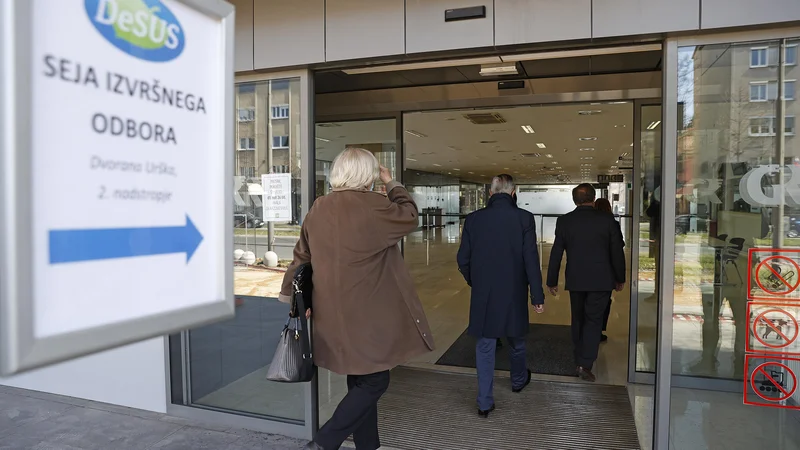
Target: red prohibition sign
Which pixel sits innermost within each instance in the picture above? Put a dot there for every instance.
(783, 280)
(786, 394)
(766, 321)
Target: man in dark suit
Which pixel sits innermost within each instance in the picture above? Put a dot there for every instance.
(595, 266)
(499, 259)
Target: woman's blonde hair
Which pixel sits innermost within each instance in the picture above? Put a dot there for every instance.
(354, 168)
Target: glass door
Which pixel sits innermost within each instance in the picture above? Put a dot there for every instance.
(379, 136)
(645, 242)
(218, 371)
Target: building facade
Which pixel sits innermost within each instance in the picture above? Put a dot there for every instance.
(711, 90)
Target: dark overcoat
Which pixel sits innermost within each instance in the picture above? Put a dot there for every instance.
(499, 259)
(595, 255)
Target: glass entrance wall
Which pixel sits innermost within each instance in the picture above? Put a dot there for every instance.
(732, 315)
(218, 371)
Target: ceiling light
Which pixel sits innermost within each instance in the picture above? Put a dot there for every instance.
(624, 155)
(322, 139)
(416, 133)
(587, 157)
(614, 167)
(471, 173)
(592, 138)
(549, 155)
(586, 165)
(587, 149)
(654, 125)
(631, 144)
(540, 145)
(491, 70)
(410, 159)
(437, 165)
(424, 65)
(583, 52)
(589, 112)
(528, 129)
(457, 170)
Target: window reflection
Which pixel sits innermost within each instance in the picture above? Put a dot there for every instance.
(228, 360)
(737, 150)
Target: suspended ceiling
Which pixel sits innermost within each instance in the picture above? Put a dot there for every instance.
(569, 143)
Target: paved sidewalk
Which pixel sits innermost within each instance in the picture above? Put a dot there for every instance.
(39, 421)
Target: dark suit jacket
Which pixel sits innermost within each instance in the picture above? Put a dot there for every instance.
(500, 261)
(594, 246)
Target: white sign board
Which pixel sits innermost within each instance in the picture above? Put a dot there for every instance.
(277, 202)
(119, 113)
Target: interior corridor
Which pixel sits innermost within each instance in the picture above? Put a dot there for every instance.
(445, 296)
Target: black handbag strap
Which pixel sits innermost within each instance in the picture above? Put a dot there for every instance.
(299, 311)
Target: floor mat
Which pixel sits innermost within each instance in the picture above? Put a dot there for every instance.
(426, 410)
(549, 349)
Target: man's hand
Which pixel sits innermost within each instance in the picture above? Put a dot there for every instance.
(553, 289)
(386, 176)
(620, 286)
(538, 308)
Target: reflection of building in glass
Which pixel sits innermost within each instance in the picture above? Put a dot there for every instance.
(266, 121)
(730, 126)
(267, 125)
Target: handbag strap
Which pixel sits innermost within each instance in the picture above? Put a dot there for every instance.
(299, 307)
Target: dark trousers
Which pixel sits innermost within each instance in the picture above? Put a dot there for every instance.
(485, 351)
(606, 314)
(588, 309)
(357, 414)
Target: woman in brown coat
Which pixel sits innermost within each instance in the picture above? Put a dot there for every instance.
(367, 316)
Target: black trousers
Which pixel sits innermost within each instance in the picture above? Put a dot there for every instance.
(588, 309)
(607, 313)
(357, 414)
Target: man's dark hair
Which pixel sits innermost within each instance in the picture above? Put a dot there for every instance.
(583, 193)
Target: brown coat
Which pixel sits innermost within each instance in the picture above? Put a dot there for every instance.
(367, 316)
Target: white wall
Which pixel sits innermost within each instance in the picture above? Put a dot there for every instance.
(133, 376)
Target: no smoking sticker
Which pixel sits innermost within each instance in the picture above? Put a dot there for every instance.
(770, 381)
(776, 275)
(773, 328)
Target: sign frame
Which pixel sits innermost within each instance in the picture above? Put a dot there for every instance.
(751, 283)
(283, 178)
(749, 380)
(752, 328)
(20, 349)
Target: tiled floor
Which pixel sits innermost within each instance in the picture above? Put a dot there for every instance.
(34, 420)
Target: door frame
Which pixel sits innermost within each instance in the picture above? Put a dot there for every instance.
(635, 376)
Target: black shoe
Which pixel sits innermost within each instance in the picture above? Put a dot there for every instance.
(527, 382)
(586, 374)
(485, 414)
(603, 338)
(499, 343)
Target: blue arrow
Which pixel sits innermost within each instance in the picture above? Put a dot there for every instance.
(68, 246)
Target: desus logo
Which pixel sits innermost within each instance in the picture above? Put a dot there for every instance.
(145, 29)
